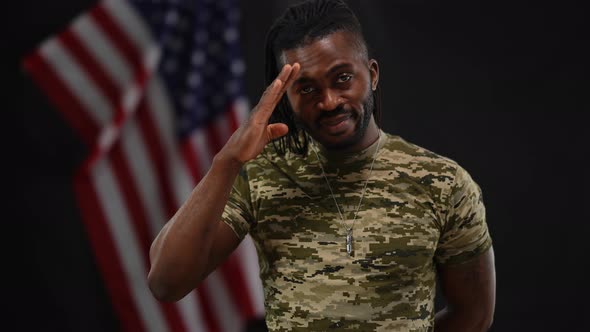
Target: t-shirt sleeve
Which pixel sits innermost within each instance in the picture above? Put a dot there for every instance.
(237, 213)
(465, 233)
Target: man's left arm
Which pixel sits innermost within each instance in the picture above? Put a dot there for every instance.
(469, 289)
(465, 261)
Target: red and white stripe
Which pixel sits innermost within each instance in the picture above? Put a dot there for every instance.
(100, 73)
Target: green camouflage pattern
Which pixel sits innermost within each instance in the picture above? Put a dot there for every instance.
(419, 210)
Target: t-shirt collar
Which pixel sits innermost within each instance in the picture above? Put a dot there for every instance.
(330, 156)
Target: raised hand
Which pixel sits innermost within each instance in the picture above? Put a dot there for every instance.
(248, 141)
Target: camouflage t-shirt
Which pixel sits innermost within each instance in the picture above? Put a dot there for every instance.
(419, 210)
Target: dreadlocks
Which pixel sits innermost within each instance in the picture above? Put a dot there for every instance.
(300, 25)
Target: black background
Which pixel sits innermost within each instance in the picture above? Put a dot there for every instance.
(499, 87)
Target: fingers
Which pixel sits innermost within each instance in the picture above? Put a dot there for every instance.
(276, 130)
(275, 91)
(289, 79)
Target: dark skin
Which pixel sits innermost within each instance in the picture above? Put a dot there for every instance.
(329, 96)
(195, 241)
(470, 291)
(328, 83)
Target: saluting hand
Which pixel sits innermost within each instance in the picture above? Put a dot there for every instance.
(252, 136)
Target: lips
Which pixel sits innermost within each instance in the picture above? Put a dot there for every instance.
(335, 124)
(334, 120)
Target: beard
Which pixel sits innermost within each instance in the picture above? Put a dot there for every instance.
(364, 118)
(362, 124)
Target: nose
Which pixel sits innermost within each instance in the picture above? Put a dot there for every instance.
(330, 99)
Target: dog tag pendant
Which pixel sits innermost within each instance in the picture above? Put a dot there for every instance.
(349, 243)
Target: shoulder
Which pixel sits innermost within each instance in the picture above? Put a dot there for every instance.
(432, 171)
(270, 166)
(417, 158)
(271, 158)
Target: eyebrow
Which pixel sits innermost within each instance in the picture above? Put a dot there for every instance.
(338, 68)
(331, 71)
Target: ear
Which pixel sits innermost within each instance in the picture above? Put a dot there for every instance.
(374, 71)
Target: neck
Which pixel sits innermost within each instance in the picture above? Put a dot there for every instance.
(370, 137)
(332, 157)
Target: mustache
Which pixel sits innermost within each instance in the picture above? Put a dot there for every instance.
(339, 110)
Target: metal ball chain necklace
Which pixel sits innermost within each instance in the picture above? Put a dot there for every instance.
(349, 237)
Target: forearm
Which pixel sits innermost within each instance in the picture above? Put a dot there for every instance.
(450, 319)
(470, 293)
(179, 254)
(182, 253)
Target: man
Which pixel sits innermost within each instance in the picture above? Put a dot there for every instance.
(353, 226)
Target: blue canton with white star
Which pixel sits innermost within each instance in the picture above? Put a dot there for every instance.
(201, 63)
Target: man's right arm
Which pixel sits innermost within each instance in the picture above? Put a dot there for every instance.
(195, 241)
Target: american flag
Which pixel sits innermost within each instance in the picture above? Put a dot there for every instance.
(154, 89)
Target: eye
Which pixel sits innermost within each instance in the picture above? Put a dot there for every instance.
(306, 90)
(344, 78)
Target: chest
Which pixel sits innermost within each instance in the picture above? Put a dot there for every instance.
(300, 229)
